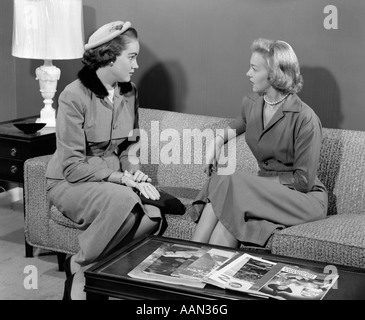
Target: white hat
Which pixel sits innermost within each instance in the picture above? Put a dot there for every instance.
(106, 33)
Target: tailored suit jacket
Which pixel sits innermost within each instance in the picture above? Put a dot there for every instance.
(289, 146)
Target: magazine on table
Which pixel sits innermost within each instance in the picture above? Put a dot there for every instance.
(275, 280)
(163, 262)
(197, 266)
(204, 265)
(290, 282)
(242, 273)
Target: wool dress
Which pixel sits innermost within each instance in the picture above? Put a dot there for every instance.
(250, 206)
(94, 137)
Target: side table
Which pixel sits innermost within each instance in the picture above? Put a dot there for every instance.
(16, 147)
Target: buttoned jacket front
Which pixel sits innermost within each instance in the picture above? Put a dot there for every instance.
(289, 146)
(93, 134)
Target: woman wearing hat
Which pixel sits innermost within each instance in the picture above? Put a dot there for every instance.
(92, 176)
(285, 136)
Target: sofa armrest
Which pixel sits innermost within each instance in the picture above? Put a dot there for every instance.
(36, 205)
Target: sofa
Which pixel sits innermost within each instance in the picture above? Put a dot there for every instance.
(175, 162)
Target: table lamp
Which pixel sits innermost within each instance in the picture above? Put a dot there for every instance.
(48, 30)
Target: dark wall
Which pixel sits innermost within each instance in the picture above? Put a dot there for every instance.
(8, 108)
(195, 54)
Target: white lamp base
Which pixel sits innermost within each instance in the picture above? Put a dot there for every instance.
(48, 75)
(48, 116)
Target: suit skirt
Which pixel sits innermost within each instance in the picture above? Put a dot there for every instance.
(99, 209)
(252, 207)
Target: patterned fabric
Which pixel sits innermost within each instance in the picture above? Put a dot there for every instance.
(339, 239)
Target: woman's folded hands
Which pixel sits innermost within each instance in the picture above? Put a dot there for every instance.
(141, 182)
(137, 180)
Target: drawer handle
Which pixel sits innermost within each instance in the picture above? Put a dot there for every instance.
(13, 152)
(13, 169)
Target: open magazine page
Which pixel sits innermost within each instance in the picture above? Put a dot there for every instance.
(265, 278)
(220, 281)
(246, 271)
(242, 273)
(163, 262)
(207, 263)
(293, 283)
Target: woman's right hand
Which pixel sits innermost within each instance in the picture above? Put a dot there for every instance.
(148, 190)
(145, 188)
(213, 155)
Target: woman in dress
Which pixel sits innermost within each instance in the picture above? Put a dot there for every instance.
(284, 134)
(93, 175)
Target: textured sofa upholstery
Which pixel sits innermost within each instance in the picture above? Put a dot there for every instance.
(338, 239)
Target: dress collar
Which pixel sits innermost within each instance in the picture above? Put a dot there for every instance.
(291, 104)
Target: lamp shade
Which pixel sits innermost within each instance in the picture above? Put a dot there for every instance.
(48, 29)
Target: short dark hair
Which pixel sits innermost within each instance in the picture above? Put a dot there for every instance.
(282, 63)
(108, 52)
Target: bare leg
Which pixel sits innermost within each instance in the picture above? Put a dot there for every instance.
(221, 236)
(206, 224)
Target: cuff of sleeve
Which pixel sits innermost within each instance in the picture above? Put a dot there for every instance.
(286, 178)
(103, 174)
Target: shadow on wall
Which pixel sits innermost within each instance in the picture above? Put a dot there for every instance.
(322, 94)
(162, 85)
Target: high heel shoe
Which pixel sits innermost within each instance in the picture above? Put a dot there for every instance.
(68, 288)
(67, 267)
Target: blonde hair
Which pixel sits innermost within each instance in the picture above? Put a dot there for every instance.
(282, 63)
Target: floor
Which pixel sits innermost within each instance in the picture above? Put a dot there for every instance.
(24, 278)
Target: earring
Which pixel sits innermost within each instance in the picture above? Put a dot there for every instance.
(111, 64)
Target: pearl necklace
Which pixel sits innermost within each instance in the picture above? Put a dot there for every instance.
(275, 102)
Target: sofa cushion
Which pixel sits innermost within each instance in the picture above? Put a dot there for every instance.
(181, 227)
(338, 239)
(63, 238)
(58, 217)
(342, 170)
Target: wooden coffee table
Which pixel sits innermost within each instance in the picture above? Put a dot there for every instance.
(109, 277)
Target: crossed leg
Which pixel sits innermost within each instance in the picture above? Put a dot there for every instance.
(211, 230)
